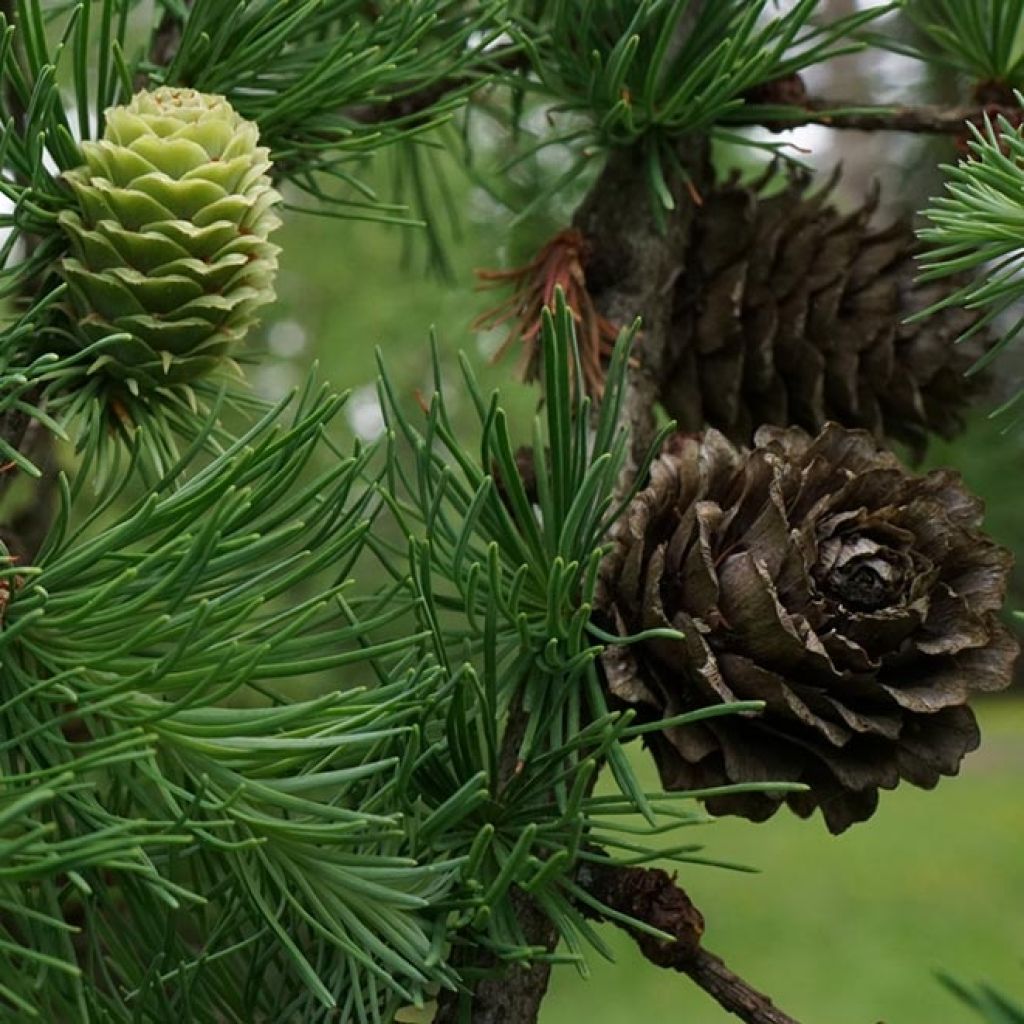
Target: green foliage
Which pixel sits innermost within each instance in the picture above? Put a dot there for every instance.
(327, 83)
(981, 39)
(978, 227)
(182, 836)
(186, 830)
(991, 1006)
(21, 375)
(523, 577)
(619, 64)
(506, 582)
(118, 648)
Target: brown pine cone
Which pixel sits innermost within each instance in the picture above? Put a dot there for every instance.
(793, 314)
(858, 600)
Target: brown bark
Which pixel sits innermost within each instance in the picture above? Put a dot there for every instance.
(512, 997)
(732, 992)
(632, 266)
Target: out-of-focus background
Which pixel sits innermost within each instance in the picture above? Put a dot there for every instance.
(840, 931)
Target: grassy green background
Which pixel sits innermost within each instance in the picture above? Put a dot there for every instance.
(839, 931)
(848, 930)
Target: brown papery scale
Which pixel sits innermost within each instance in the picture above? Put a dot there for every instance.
(858, 600)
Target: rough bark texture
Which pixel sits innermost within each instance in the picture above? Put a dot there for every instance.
(732, 992)
(632, 267)
(649, 895)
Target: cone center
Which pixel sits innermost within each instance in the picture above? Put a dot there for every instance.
(866, 583)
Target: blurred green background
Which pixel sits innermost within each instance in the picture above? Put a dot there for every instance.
(839, 931)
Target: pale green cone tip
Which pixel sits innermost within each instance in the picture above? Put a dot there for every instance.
(169, 245)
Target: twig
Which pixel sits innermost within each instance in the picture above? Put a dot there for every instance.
(410, 105)
(919, 120)
(164, 43)
(732, 992)
(651, 895)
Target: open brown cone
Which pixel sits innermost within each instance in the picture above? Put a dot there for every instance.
(859, 601)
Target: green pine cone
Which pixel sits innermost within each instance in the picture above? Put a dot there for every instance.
(170, 243)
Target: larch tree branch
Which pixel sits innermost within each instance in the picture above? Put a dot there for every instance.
(409, 105)
(651, 895)
(921, 120)
(515, 995)
(632, 263)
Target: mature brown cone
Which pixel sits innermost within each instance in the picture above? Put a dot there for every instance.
(793, 314)
(858, 600)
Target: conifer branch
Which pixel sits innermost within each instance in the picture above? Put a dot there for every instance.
(635, 259)
(732, 992)
(516, 995)
(935, 120)
(635, 262)
(651, 896)
(409, 106)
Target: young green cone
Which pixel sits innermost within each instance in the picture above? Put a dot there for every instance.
(170, 246)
